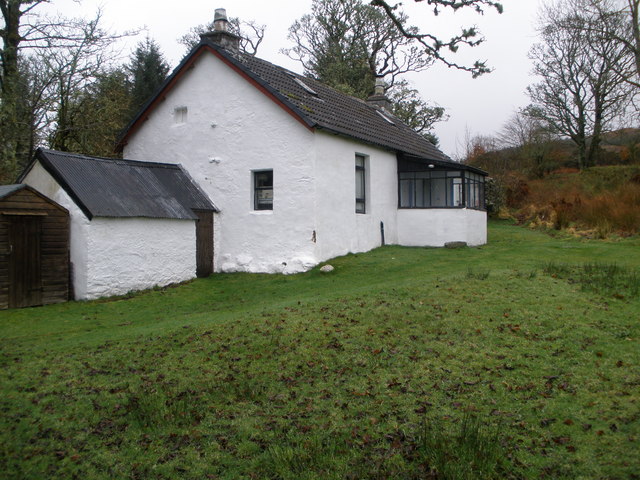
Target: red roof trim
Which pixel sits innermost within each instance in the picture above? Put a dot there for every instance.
(161, 96)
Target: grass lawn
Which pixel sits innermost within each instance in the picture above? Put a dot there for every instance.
(519, 359)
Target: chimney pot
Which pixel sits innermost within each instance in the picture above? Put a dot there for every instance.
(379, 99)
(379, 88)
(220, 20)
(221, 35)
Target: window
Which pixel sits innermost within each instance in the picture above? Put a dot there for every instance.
(180, 115)
(422, 187)
(360, 184)
(263, 190)
(474, 190)
(430, 189)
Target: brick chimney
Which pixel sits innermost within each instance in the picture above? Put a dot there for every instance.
(379, 99)
(221, 35)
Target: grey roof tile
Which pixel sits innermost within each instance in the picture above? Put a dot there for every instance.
(105, 187)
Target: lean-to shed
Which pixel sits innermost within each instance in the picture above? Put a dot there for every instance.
(134, 225)
(34, 247)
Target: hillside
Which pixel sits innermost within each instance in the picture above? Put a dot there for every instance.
(540, 186)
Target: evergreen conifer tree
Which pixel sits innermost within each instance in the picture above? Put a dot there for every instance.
(148, 71)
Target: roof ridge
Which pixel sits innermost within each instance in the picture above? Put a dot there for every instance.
(126, 161)
(338, 112)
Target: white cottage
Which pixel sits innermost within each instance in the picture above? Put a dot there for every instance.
(300, 172)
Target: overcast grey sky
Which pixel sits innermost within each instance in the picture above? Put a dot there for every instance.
(477, 106)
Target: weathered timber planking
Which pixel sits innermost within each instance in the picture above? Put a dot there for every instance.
(45, 249)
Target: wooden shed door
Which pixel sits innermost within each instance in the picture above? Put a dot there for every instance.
(25, 272)
(204, 243)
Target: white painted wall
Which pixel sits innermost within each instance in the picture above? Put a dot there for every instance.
(435, 227)
(232, 129)
(138, 253)
(340, 229)
(112, 256)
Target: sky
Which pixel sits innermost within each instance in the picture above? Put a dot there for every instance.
(475, 106)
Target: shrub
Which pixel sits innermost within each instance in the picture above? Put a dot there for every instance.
(602, 200)
(495, 198)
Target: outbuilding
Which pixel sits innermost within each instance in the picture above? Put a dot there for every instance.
(34, 247)
(133, 225)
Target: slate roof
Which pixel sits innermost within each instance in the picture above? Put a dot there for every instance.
(107, 187)
(325, 109)
(340, 113)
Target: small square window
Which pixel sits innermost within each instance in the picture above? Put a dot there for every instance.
(180, 115)
(263, 190)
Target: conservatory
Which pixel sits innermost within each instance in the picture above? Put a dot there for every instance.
(440, 202)
(424, 184)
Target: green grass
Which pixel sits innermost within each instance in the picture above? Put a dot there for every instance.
(402, 363)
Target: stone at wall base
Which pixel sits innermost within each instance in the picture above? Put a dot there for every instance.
(455, 244)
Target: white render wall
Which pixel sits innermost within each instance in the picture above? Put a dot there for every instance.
(340, 230)
(112, 256)
(434, 227)
(138, 253)
(232, 129)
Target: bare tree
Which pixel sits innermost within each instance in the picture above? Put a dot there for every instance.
(619, 21)
(579, 95)
(528, 141)
(31, 55)
(347, 44)
(436, 47)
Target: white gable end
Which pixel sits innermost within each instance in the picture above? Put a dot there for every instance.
(232, 130)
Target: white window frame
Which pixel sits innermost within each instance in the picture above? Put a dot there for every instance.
(260, 193)
(361, 169)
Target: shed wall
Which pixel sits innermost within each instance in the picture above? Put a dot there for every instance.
(127, 254)
(112, 256)
(42, 181)
(54, 245)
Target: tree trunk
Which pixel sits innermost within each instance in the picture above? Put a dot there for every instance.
(9, 79)
(634, 7)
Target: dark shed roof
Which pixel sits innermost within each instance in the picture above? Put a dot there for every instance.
(317, 106)
(106, 187)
